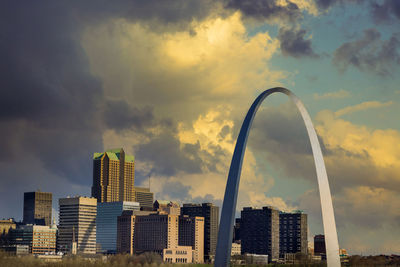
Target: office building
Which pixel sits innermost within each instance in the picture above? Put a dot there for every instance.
(155, 232)
(292, 233)
(259, 230)
(319, 245)
(144, 197)
(210, 213)
(106, 223)
(37, 208)
(77, 225)
(113, 176)
(167, 207)
(191, 233)
(126, 229)
(39, 238)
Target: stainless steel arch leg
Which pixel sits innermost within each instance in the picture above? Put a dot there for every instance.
(224, 245)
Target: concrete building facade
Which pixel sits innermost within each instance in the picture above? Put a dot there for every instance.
(292, 233)
(155, 232)
(144, 197)
(180, 254)
(210, 213)
(259, 231)
(106, 223)
(40, 239)
(113, 176)
(126, 230)
(191, 233)
(77, 221)
(37, 208)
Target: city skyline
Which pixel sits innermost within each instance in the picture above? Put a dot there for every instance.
(171, 84)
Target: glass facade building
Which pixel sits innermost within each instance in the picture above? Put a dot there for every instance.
(106, 223)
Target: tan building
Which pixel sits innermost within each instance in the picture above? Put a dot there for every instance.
(236, 249)
(77, 221)
(167, 207)
(37, 208)
(40, 239)
(113, 176)
(155, 232)
(126, 230)
(191, 233)
(180, 254)
(144, 197)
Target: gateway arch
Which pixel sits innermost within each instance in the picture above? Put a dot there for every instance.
(225, 232)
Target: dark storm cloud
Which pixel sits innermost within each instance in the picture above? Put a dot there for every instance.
(266, 9)
(53, 111)
(386, 10)
(49, 99)
(293, 43)
(370, 53)
(169, 156)
(119, 115)
(325, 4)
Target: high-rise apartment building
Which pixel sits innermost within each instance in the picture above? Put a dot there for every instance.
(144, 197)
(155, 232)
(259, 231)
(191, 233)
(77, 222)
(40, 239)
(106, 223)
(126, 229)
(113, 176)
(292, 233)
(167, 207)
(210, 213)
(37, 208)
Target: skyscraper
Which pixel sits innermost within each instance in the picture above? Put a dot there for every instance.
(144, 197)
(191, 233)
(292, 233)
(113, 176)
(37, 208)
(77, 222)
(106, 223)
(259, 231)
(211, 220)
(319, 245)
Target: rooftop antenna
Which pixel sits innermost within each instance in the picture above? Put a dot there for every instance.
(73, 234)
(149, 181)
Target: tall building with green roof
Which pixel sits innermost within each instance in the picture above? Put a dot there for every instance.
(113, 176)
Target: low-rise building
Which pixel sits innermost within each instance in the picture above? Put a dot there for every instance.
(180, 254)
(40, 239)
(236, 249)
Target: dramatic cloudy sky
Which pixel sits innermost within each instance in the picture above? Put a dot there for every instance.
(170, 82)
